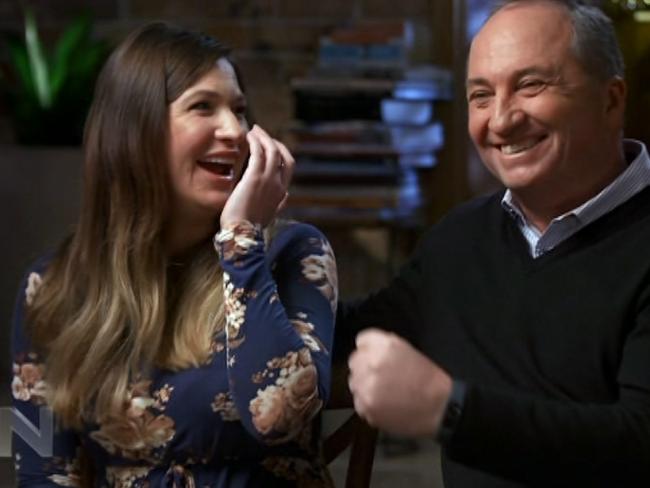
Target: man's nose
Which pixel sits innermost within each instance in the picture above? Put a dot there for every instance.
(506, 117)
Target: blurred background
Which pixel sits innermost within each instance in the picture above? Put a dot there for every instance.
(369, 95)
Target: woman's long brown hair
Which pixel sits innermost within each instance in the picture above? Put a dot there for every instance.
(106, 311)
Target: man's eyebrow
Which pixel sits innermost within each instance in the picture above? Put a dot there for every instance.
(476, 82)
(532, 70)
(535, 70)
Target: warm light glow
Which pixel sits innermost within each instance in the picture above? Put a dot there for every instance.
(642, 16)
(631, 5)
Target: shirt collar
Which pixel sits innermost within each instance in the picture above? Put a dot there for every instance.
(633, 179)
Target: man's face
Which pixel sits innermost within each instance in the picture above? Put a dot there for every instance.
(539, 121)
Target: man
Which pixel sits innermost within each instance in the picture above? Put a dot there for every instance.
(531, 307)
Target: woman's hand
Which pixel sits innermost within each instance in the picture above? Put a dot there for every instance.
(262, 190)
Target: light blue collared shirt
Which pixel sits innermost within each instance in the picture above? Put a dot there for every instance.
(634, 179)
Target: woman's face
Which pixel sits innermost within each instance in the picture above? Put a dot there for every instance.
(207, 144)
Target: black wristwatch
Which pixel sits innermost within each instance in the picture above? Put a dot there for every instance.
(453, 412)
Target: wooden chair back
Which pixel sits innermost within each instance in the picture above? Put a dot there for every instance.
(354, 433)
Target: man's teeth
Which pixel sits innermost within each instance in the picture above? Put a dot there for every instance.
(517, 148)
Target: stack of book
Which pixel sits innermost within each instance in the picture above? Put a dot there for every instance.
(365, 124)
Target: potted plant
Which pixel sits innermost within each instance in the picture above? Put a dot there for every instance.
(48, 92)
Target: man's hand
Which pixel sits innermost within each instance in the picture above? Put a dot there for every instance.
(395, 387)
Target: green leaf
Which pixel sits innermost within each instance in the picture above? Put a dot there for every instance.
(18, 57)
(74, 39)
(37, 61)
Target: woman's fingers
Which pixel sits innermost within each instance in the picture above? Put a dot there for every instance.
(256, 157)
(262, 191)
(288, 164)
(271, 160)
(275, 162)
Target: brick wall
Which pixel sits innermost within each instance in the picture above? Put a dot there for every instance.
(274, 40)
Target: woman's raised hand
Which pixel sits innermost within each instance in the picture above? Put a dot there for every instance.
(262, 190)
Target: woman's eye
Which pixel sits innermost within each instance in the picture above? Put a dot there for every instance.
(240, 111)
(202, 106)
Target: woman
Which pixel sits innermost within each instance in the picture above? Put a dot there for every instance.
(167, 363)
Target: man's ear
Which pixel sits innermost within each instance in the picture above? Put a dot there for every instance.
(616, 92)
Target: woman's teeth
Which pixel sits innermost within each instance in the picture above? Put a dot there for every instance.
(220, 166)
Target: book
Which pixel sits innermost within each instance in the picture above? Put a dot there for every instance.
(375, 152)
(417, 160)
(376, 32)
(334, 106)
(368, 137)
(367, 47)
(405, 138)
(346, 97)
(405, 194)
(406, 111)
(327, 171)
(341, 132)
(367, 140)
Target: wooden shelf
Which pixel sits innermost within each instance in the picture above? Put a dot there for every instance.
(351, 150)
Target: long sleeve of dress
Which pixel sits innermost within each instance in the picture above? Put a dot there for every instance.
(28, 396)
(280, 305)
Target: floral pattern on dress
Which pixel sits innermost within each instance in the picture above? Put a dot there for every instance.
(320, 269)
(178, 476)
(28, 383)
(126, 476)
(265, 392)
(34, 282)
(162, 396)
(288, 404)
(236, 240)
(71, 470)
(306, 330)
(141, 429)
(298, 470)
(225, 406)
(235, 310)
(217, 346)
(64, 480)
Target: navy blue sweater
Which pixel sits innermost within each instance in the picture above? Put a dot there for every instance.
(555, 351)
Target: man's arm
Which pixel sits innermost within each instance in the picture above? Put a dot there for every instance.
(394, 308)
(510, 433)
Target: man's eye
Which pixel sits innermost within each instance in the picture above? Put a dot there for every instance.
(478, 97)
(531, 86)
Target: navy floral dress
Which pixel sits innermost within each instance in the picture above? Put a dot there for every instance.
(248, 417)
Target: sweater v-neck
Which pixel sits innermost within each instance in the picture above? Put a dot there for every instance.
(617, 219)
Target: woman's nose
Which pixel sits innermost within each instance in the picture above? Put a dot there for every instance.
(230, 126)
